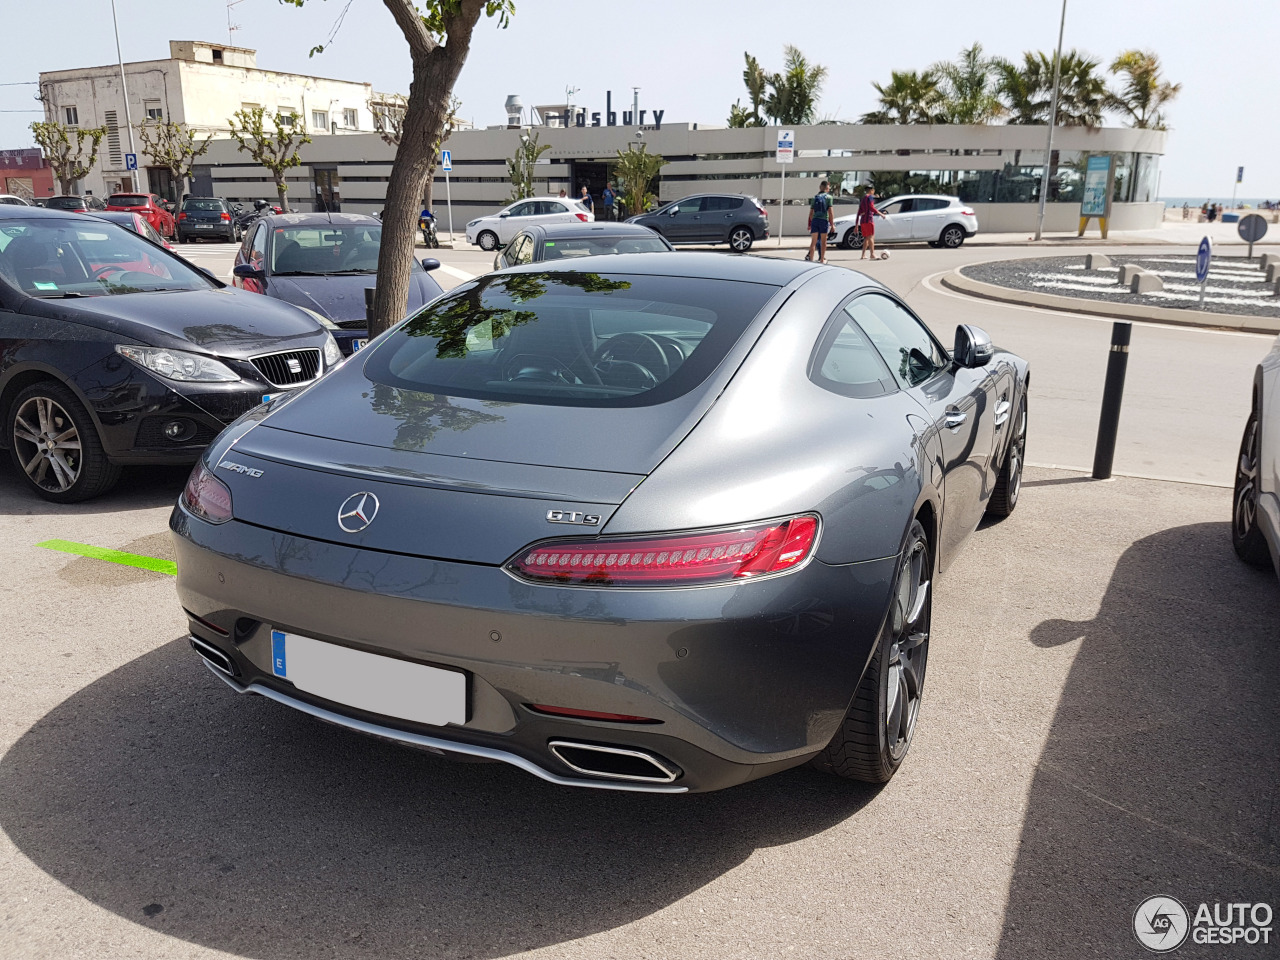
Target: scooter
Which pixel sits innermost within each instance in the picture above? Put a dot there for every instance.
(427, 223)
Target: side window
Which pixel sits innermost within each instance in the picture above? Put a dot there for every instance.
(715, 204)
(258, 245)
(693, 205)
(890, 209)
(846, 362)
(524, 209)
(931, 203)
(907, 206)
(523, 250)
(908, 349)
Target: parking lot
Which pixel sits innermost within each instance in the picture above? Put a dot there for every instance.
(1099, 726)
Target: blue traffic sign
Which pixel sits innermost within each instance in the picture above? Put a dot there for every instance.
(1203, 256)
(131, 161)
(446, 160)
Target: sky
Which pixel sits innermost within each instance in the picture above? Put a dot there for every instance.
(687, 56)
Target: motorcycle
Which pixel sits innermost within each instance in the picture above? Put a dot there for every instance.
(427, 223)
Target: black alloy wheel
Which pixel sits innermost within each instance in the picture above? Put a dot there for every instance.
(1009, 484)
(1246, 537)
(875, 734)
(53, 442)
(740, 239)
(488, 241)
(952, 237)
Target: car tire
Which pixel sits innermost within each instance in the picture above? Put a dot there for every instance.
(1009, 484)
(740, 239)
(852, 239)
(50, 411)
(951, 237)
(488, 241)
(181, 239)
(875, 734)
(1246, 536)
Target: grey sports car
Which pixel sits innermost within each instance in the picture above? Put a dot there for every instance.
(630, 522)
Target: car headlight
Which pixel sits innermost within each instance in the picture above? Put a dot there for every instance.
(178, 364)
(319, 318)
(332, 352)
(473, 223)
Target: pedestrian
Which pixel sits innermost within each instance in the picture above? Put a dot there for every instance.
(564, 192)
(609, 198)
(866, 224)
(819, 223)
(586, 201)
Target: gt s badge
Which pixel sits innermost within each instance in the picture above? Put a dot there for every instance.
(573, 516)
(239, 468)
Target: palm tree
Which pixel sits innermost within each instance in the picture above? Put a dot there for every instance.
(1144, 91)
(969, 87)
(1024, 88)
(1083, 96)
(756, 80)
(793, 94)
(909, 97)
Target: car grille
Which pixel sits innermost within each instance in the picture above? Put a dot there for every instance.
(290, 367)
(353, 324)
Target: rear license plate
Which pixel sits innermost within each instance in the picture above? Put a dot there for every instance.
(366, 681)
(205, 226)
(357, 344)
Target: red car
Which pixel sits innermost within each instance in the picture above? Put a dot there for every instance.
(150, 206)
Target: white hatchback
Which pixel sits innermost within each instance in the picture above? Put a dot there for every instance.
(937, 220)
(495, 231)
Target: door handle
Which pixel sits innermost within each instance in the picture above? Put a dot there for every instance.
(954, 417)
(1002, 410)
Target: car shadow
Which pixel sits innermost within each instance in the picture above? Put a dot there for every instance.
(140, 488)
(1160, 774)
(235, 823)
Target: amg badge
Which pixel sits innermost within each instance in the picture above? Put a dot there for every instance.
(239, 468)
(573, 516)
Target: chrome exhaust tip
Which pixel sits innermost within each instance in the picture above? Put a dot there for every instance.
(213, 656)
(615, 763)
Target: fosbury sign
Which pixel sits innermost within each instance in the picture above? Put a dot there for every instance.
(579, 118)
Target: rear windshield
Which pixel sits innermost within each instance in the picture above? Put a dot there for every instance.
(72, 258)
(212, 206)
(127, 200)
(570, 339)
(328, 250)
(65, 203)
(597, 246)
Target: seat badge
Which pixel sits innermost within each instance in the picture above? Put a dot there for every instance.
(573, 516)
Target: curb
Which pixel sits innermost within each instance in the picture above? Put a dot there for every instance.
(956, 281)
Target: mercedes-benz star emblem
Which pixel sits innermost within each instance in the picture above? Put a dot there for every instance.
(357, 512)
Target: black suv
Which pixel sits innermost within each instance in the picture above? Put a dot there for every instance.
(86, 204)
(206, 218)
(710, 218)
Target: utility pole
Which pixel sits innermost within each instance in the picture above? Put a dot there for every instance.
(1053, 119)
(124, 89)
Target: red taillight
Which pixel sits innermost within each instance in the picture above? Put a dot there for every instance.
(581, 216)
(967, 212)
(206, 496)
(182, 216)
(224, 216)
(589, 714)
(673, 560)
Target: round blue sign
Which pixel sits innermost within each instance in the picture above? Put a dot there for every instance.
(1203, 255)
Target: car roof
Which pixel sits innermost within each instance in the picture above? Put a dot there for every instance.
(557, 231)
(116, 216)
(15, 212)
(319, 219)
(710, 266)
(924, 196)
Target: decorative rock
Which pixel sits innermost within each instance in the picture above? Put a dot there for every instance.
(1268, 259)
(1273, 271)
(1127, 272)
(1096, 261)
(1144, 282)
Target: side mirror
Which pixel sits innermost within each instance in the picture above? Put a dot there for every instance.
(430, 263)
(246, 271)
(673, 211)
(973, 347)
(504, 213)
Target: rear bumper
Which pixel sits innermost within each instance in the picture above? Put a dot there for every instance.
(223, 233)
(741, 680)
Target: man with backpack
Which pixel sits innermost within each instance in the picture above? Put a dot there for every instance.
(819, 223)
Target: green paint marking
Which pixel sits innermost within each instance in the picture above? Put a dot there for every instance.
(112, 556)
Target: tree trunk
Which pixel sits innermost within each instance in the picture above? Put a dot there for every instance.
(65, 183)
(282, 189)
(435, 70)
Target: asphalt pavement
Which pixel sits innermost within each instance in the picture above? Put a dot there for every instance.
(1099, 726)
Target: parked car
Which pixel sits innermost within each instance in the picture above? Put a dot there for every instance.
(86, 204)
(13, 200)
(563, 241)
(1255, 514)
(489, 233)
(114, 351)
(137, 223)
(206, 218)
(323, 262)
(920, 218)
(661, 523)
(710, 218)
(155, 210)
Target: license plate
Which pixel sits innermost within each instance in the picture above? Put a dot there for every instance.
(366, 681)
(204, 226)
(357, 344)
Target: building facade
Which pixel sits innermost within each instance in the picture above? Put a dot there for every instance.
(995, 168)
(200, 85)
(25, 173)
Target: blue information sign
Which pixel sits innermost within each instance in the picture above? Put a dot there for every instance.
(1203, 256)
(131, 161)
(1096, 201)
(446, 160)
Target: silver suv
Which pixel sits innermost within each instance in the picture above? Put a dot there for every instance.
(710, 218)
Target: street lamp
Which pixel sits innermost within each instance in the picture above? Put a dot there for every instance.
(1053, 119)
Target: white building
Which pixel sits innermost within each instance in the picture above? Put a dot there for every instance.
(201, 85)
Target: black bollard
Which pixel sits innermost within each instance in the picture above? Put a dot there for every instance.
(368, 303)
(1112, 394)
